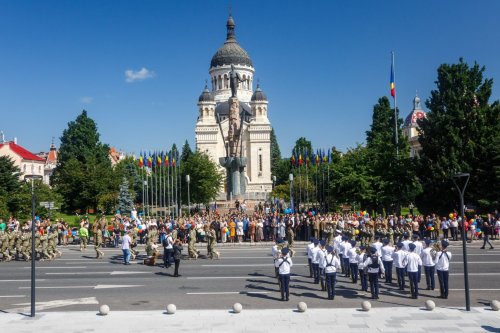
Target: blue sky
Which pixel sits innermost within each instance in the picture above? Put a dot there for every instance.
(322, 64)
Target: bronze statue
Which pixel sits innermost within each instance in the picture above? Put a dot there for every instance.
(234, 80)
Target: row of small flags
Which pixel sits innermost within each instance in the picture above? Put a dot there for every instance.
(158, 159)
(300, 158)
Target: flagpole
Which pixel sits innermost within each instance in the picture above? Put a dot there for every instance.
(161, 164)
(151, 197)
(164, 185)
(395, 107)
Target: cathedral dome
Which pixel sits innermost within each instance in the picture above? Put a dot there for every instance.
(415, 114)
(206, 96)
(231, 52)
(259, 95)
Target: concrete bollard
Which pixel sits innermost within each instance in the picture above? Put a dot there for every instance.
(302, 307)
(495, 305)
(171, 308)
(237, 307)
(103, 310)
(430, 305)
(366, 306)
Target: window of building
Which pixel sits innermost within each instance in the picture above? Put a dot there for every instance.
(260, 162)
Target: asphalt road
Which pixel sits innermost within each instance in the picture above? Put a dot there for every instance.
(244, 274)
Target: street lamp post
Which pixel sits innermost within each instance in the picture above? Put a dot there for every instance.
(188, 180)
(290, 176)
(32, 177)
(461, 192)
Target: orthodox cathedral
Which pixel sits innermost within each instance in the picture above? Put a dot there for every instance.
(231, 88)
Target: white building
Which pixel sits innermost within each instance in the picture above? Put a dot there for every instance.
(410, 128)
(28, 163)
(213, 108)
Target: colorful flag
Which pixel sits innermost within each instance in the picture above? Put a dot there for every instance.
(140, 161)
(166, 160)
(329, 156)
(300, 159)
(158, 159)
(393, 84)
(292, 159)
(325, 157)
(317, 158)
(150, 160)
(307, 158)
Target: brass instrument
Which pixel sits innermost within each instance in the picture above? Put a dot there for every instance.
(436, 247)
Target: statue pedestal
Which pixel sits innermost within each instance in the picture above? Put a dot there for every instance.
(235, 175)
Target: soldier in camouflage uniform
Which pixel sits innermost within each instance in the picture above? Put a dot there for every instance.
(4, 240)
(212, 239)
(133, 235)
(44, 241)
(329, 232)
(193, 253)
(25, 245)
(290, 237)
(97, 230)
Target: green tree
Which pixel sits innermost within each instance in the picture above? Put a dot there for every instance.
(394, 177)
(186, 152)
(275, 154)
(460, 134)
(206, 180)
(9, 176)
(301, 145)
(125, 202)
(83, 171)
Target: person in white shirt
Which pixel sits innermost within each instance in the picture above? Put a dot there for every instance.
(345, 255)
(442, 261)
(406, 242)
(309, 248)
(374, 267)
(353, 263)
(399, 259)
(412, 268)
(315, 262)
(284, 264)
(378, 245)
(428, 263)
(387, 260)
(363, 276)
(330, 264)
(340, 252)
(418, 251)
(276, 253)
(168, 245)
(126, 240)
(321, 254)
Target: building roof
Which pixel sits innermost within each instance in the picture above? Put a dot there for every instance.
(25, 154)
(415, 114)
(258, 94)
(52, 156)
(231, 52)
(206, 96)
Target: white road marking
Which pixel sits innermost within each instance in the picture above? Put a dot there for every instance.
(59, 267)
(246, 265)
(479, 274)
(91, 263)
(476, 289)
(475, 262)
(99, 286)
(77, 273)
(40, 306)
(129, 272)
(12, 296)
(229, 292)
(59, 287)
(26, 280)
(113, 286)
(228, 277)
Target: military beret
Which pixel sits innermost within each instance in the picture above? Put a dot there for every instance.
(415, 236)
(399, 245)
(353, 243)
(316, 242)
(322, 242)
(444, 243)
(427, 241)
(362, 247)
(329, 248)
(284, 251)
(412, 246)
(311, 239)
(385, 241)
(373, 249)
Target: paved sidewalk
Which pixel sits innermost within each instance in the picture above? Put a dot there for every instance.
(387, 320)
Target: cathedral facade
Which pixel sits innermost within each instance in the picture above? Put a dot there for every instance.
(213, 127)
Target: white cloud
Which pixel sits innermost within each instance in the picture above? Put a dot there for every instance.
(142, 74)
(86, 100)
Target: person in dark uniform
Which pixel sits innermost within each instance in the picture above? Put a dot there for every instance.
(442, 261)
(177, 246)
(374, 266)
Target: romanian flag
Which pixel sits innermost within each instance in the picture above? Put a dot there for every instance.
(150, 161)
(308, 160)
(173, 160)
(300, 159)
(292, 159)
(140, 161)
(166, 160)
(393, 85)
(317, 158)
(325, 157)
(158, 159)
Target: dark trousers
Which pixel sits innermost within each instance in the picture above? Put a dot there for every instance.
(443, 282)
(364, 280)
(400, 272)
(176, 268)
(413, 277)
(347, 267)
(429, 276)
(330, 284)
(354, 272)
(309, 261)
(284, 282)
(388, 271)
(419, 273)
(167, 257)
(341, 257)
(373, 277)
(486, 239)
(445, 233)
(316, 273)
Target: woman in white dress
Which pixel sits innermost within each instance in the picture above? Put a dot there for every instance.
(239, 230)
